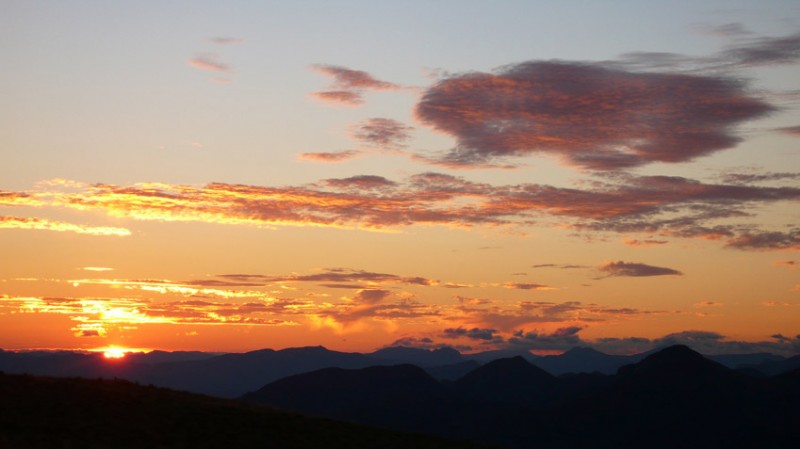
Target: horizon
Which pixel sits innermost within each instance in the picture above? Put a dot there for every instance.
(232, 177)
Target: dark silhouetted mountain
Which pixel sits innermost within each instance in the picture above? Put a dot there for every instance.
(399, 397)
(584, 360)
(452, 372)
(488, 356)
(154, 357)
(415, 356)
(674, 397)
(513, 380)
(232, 375)
(39, 412)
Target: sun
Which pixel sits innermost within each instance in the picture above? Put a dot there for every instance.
(114, 352)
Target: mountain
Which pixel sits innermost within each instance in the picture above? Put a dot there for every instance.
(488, 356)
(513, 380)
(674, 397)
(735, 361)
(415, 356)
(40, 412)
(232, 375)
(399, 397)
(453, 371)
(774, 367)
(584, 360)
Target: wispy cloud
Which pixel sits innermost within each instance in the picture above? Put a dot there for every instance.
(660, 206)
(331, 157)
(791, 130)
(634, 269)
(60, 226)
(348, 86)
(382, 133)
(210, 63)
(223, 40)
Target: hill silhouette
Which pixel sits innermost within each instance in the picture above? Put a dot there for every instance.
(672, 398)
(232, 375)
(41, 412)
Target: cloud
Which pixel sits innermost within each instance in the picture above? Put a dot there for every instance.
(383, 133)
(209, 63)
(560, 339)
(632, 269)
(345, 78)
(725, 30)
(526, 286)
(371, 296)
(660, 206)
(342, 97)
(765, 51)
(646, 242)
(338, 275)
(474, 312)
(221, 40)
(472, 334)
(332, 157)
(360, 182)
(767, 241)
(347, 85)
(59, 226)
(788, 264)
(750, 178)
(587, 114)
(791, 130)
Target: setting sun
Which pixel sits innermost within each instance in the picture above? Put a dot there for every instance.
(114, 353)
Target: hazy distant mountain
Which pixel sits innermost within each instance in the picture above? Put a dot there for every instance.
(488, 356)
(416, 356)
(37, 412)
(453, 371)
(774, 367)
(672, 398)
(232, 375)
(584, 360)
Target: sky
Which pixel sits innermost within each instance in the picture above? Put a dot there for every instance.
(526, 175)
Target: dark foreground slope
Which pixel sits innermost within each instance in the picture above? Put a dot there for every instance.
(40, 412)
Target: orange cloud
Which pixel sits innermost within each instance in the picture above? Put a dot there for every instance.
(656, 205)
(58, 226)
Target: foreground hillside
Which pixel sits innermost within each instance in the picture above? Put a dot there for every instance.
(40, 412)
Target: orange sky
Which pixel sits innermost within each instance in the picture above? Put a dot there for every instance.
(204, 188)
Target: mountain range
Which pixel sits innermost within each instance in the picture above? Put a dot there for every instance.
(232, 375)
(671, 398)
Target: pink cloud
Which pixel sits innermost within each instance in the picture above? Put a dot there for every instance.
(331, 157)
(208, 63)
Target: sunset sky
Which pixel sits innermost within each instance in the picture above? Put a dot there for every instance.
(229, 176)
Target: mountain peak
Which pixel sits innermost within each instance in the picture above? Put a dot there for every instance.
(514, 370)
(674, 363)
(583, 351)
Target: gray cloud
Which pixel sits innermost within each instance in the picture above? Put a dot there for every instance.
(633, 269)
(589, 115)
